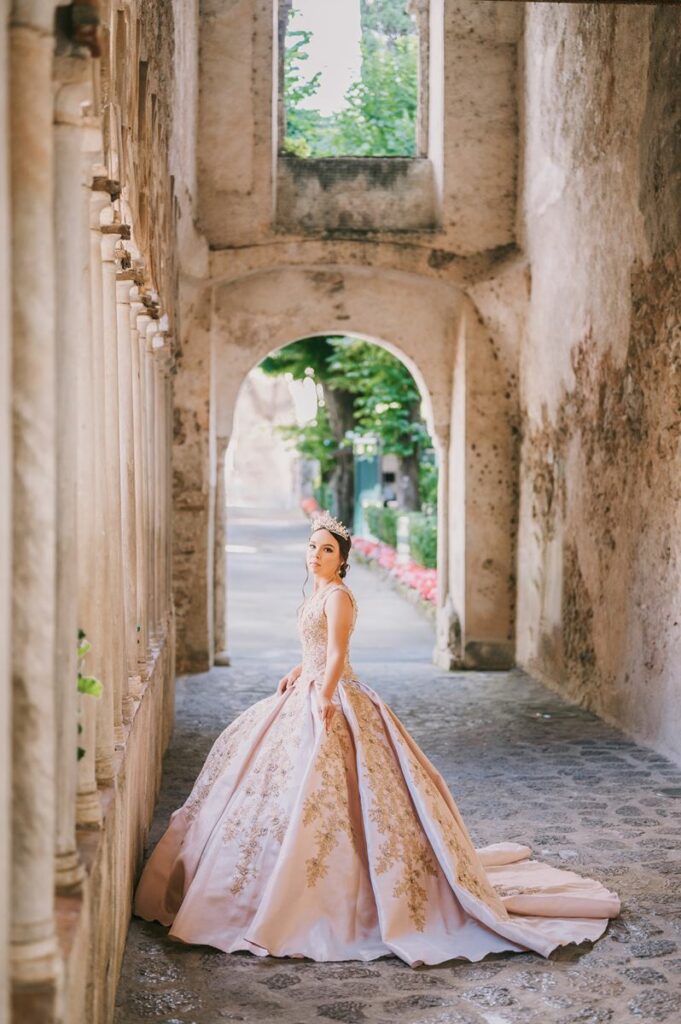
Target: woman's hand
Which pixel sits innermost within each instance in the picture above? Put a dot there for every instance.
(327, 709)
(287, 681)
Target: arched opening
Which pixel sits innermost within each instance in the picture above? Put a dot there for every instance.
(467, 379)
(337, 422)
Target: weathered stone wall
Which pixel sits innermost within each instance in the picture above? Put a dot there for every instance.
(598, 593)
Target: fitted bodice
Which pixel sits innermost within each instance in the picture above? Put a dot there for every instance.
(313, 632)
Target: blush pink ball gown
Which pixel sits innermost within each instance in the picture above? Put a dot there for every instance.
(347, 845)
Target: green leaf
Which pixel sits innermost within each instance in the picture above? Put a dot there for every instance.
(84, 648)
(88, 684)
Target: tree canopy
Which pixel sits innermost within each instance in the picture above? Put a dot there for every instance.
(364, 390)
(380, 110)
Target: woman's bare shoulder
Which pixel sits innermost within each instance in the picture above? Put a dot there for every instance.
(335, 596)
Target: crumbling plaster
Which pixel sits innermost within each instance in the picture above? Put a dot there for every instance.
(598, 559)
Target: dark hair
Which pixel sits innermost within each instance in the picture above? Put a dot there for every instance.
(344, 544)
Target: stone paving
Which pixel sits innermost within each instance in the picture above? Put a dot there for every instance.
(522, 765)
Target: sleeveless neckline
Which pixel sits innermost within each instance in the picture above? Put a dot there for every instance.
(327, 590)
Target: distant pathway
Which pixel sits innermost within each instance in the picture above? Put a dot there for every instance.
(522, 765)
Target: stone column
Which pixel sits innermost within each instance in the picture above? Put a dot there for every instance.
(141, 433)
(150, 409)
(193, 497)
(128, 492)
(72, 326)
(5, 525)
(158, 342)
(136, 309)
(111, 235)
(220, 566)
(447, 630)
(33, 949)
(475, 623)
(168, 486)
(101, 660)
(88, 804)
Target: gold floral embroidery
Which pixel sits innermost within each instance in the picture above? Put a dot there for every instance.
(517, 890)
(329, 803)
(470, 873)
(261, 815)
(312, 630)
(223, 751)
(403, 841)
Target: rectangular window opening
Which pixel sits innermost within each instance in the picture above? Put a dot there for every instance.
(352, 78)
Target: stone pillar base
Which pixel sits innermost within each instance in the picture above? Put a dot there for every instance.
(88, 810)
(491, 656)
(69, 872)
(222, 659)
(39, 1004)
(447, 650)
(104, 768)
(34, 966)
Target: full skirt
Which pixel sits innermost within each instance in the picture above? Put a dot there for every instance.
(347, 845)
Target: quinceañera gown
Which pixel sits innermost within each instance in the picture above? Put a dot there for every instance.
(347, 845)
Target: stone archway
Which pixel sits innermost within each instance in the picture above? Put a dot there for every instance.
(437, 332)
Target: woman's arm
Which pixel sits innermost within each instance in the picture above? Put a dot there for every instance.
(338, 609)
(289, 679)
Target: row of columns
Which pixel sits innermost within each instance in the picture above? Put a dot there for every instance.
(92, 406)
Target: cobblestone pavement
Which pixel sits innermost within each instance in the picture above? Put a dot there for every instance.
(522, 764)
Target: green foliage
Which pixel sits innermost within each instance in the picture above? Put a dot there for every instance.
(423, 539)
(428, 474)
(86, 684)
(382, 523)
(302, 123)
(379, 116)
(314, 440)
(325, 497)
(304, 358)
(387, 400)
(387, 18)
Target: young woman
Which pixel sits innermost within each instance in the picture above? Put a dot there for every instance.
(318, 828)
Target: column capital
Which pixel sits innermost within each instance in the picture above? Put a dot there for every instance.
(142, 324)
(123, 289)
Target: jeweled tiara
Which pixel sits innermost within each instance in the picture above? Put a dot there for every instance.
(325, 521)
